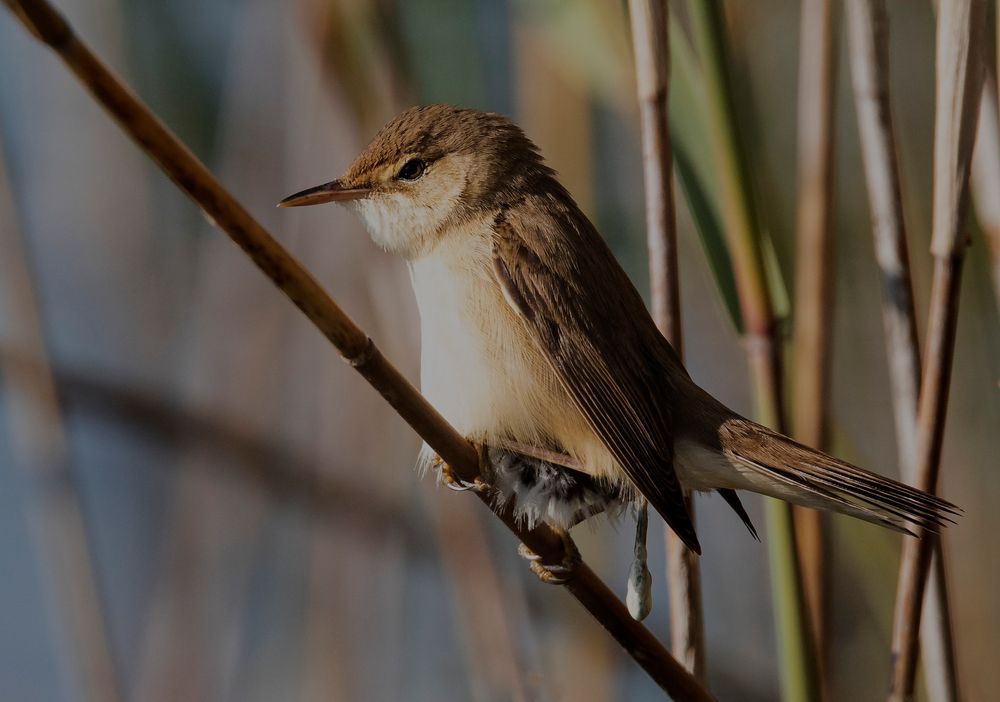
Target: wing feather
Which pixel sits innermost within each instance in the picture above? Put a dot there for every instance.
(592, 326)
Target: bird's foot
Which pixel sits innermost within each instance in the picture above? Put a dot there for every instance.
(553, 573)
(447, 477)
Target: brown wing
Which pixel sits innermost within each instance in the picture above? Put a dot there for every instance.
(558, 274)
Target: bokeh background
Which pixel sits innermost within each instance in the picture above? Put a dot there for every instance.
(200, 501)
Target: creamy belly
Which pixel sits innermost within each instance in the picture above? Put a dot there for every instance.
(481, 370)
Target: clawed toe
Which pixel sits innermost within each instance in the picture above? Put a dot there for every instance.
(459, 485)
(526, 553)
(553, 573)
(447, 477)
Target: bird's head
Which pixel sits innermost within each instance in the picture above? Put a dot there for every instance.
(430, 169)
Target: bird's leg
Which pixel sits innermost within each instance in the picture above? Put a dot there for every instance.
(639, 597)
(554, 573)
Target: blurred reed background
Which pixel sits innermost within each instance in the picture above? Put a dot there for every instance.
(199, 501)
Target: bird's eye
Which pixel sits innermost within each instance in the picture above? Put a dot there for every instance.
(412, 169)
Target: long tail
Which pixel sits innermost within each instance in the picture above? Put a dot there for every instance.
(775, 465)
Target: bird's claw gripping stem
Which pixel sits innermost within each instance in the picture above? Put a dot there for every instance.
(451, 481)
(553, 573)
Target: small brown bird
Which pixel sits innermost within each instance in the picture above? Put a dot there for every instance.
(537, 345)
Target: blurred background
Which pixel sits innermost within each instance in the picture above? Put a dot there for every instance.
(200, 501)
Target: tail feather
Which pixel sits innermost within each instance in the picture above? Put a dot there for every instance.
(814, 479)
(802, 491)
(901, 494)
(733, 500)
(883, 492)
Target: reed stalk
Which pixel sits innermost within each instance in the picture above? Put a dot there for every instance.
(193, 178)
(650, 42)
(761, 337)
(868, 36)
(814, 292)
(958, 85)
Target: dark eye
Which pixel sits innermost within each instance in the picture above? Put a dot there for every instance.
(412, 169)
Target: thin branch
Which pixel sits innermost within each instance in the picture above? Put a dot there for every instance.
(959, 82)
(763, 345)
(353, 344)
(868, 35)
(650, 43)
(39, 447)
(814, 290)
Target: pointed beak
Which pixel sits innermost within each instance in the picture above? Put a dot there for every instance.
(333, 191)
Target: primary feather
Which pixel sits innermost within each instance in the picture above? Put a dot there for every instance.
(603, 348)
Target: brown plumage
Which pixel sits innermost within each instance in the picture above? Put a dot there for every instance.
(533, 334)
(595, 333)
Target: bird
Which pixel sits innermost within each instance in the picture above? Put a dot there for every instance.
(537, 347)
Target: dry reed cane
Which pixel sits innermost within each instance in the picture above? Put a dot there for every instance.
(761, 337)
(814, 287)
(959, 82)
(650, 41)
(868, 36)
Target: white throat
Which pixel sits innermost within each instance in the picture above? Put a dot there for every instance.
(408, 221)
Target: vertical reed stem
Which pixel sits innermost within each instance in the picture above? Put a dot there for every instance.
(868, 36)
(650, 41)
(959, 82)
(795, 643)
(814, 290)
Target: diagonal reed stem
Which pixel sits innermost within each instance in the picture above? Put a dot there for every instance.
(958, 85)
(795, 643)
(650, 43)
(191, 176)
(814, 287)
(868, 36)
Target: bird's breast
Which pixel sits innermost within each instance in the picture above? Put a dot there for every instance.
(481, 369)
